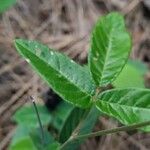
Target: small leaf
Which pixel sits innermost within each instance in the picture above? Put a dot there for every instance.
(127, 105)
(5, 4)
(73, 121)
(27, 139)
(23, 144)
(68, 79)
(21, 139)
(20, 132)
(90, 121)
(132, 75)
(60, 114)
(110, 47)
(48, 142)
(26, 116)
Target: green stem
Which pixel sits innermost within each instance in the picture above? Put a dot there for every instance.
(114, 130)
(39, 120)
(105, 132)
(66, 143)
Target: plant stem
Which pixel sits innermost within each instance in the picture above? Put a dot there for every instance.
(105, 132)
(39, 120)
(114, 130)
(66, 143)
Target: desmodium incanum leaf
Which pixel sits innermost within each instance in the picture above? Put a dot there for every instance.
(78, 123)
(60, 114)
(74, 118)
(127, 105)
(68, 79)
(110, 47)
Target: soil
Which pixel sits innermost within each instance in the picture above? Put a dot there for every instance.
(64, 25)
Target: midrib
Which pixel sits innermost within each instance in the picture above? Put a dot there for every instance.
(109, 46)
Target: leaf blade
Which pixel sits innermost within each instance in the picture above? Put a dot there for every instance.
(26, 116)
(60, 114)
(110, 46)
(61, 73)
(48, 143)
(71, 123)
(126, 105)
(23, 143)
(85, 124)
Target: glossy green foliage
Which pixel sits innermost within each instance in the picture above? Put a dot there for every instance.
(5, 4)
(132, 75)
(65, 76)
(129, 106)
(26, 116)
(110, 47)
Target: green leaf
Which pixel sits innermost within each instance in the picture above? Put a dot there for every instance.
(110, 47)
(74, 120)
(53, 146)
(60, 114)
(127, 105)
(90, 121)
(26, 116)
(5, 4)
(20, 132)
(132, 75)
(71, 123)
(27, 139)
(49, 142)
(24, 143)
(64, 76)
(21, 139)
